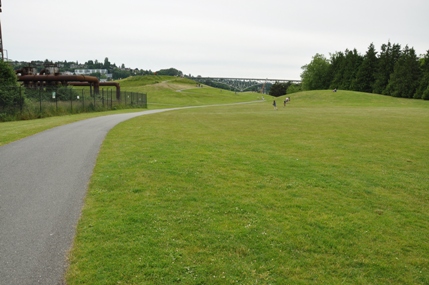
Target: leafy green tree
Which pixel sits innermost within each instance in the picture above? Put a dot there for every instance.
(405, 78)
(425, 94)
(279, 89)
(293, 88)
(96, 74)
(170, 72)
(8, 77)
(315, 75)
(47, 62)
(65, 93)
(89, 64)
(120, 73)
(9, 93)
(365, 77)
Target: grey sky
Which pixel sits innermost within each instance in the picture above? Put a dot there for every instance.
(228, 38)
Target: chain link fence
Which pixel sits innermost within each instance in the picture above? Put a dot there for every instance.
(17, 103)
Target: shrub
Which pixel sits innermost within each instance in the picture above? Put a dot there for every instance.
(10, 94)
(425, 95)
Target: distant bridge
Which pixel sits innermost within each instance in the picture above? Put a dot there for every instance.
(242, 84)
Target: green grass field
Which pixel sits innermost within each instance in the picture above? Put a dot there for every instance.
(331, 189)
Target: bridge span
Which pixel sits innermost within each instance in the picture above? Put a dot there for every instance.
(242, 84)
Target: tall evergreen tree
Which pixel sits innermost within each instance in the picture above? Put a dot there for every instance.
(352, 62)
(365, 77)
(404, 80)
(389, 55)
(106, 64)
(279, 89)
(383, 69)
(394, 72)
(336, 69)
(423, 89)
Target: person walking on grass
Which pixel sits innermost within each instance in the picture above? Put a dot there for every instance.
(274, 105)
(287, 99)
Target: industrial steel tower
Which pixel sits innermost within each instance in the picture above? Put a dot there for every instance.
(1, 40)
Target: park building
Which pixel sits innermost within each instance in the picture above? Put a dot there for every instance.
(87, 71)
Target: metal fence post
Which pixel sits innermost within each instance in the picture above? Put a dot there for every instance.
(111, 99)
(21, 100)
(90, 92)
(40, 101)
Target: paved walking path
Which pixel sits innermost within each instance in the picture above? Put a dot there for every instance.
(43, 181)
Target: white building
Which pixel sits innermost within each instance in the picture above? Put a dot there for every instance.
(90, 71)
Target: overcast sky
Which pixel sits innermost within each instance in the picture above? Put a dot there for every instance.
(224, 38)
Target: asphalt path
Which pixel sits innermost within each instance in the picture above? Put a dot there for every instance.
(43, 182)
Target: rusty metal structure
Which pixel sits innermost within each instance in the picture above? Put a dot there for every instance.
(1, 41)
(50, 76)
(42, 81)
(101, 84)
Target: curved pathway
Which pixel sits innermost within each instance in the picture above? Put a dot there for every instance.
(43, 181)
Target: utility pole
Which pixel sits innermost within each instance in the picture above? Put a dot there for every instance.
(1, 40)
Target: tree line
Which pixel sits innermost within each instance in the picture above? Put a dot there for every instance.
(118, 72)
(393, 71)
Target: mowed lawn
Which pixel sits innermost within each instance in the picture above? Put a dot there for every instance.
(332, 189)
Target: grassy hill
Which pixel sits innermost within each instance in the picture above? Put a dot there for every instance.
(331, 189)
(163, 92)
(168, 91)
